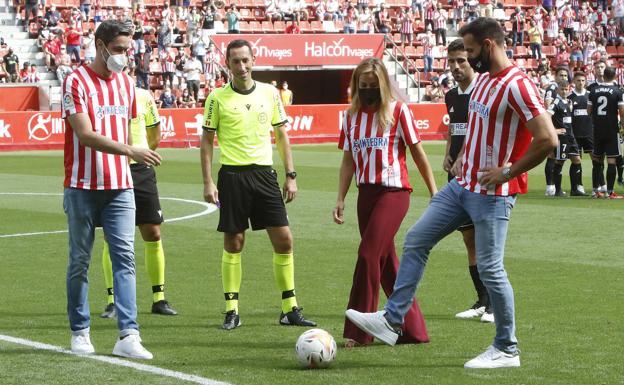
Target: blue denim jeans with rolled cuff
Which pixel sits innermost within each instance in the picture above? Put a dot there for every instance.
(449, 209)
(114, 210)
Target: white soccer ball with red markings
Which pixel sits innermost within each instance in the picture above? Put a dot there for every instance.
(316, 349)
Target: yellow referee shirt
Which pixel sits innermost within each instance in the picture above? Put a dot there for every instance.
(243, 122)
(147, 116)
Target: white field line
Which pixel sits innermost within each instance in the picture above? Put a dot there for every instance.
(117, 361)
(208, 208)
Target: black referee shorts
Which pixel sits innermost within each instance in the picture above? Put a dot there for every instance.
(249, 194)
(468, 224)
(148, 209)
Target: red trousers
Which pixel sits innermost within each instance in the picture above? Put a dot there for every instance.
(380, 213)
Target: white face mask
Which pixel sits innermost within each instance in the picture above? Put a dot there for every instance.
(116, 63)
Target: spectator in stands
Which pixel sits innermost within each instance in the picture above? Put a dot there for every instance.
(292, 28)
(53, 17)
(198, 49)
(428, 41)
(430, 8)
(142, 69)
(320, 10)
(535, 40)
(32, 76)
(285, 8)
(300, 9)
(88, 44)
(73, 40)
(76, 17)
(193, 69)
(3, 44)
(64, 65)
(167, 62)
(186, 99)
(576, 53)
(617, 9)
(85, 8)
(509, 48)
(51, 47)
(440, 18)
(10, 66)
(458, 12)
(192, 23)
(365, 21)
(167, 99)
(23, 73)
(567, 22)
(164, 33)
(434, 92)
(590, 48)
(382, 19)
(211, 65)
(517, 26)
(285, 94)
(209, 15)
(233, 17)
(333, 10)
(350, 18)
(406, 27)
(209, 87)
(180, 61)
(31, 8)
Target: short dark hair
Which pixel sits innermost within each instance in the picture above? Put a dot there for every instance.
(238, 43)
(578, 74)
(562, 68)
(108, 30)
(609, 74)
(456, 45)
(484, 28)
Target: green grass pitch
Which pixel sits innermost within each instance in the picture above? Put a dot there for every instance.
(563, 256)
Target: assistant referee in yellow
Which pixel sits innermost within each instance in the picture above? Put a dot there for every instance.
(242, 114)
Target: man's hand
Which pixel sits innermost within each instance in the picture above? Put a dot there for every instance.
(146, 156)
(457, 166)
(211, 194)
(290, 190)
(338, 212)
(491, 176)
(447, 164)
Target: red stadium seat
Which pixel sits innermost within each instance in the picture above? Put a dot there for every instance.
(520, 51)
(72, 3)
(620, 50)
(548, 50)
(304, 27)
(267, 27)
(316, 26)
(279, 27)
(256, 26)
(245, 27)
(410, 52)
(612, 50)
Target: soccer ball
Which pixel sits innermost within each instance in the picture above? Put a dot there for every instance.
(315, 349)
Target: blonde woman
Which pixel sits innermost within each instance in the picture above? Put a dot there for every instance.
(376, 132)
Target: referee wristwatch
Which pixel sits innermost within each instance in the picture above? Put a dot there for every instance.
(506, 173)
(291, 174)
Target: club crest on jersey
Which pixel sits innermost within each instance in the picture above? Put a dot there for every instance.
(493, 91)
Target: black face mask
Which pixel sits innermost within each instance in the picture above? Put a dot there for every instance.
(369, 96)
(481, 63)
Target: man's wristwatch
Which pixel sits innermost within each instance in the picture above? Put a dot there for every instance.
(507, 173)
(291, 174)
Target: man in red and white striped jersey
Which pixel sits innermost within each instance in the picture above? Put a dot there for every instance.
(97, 105)
(509, 132)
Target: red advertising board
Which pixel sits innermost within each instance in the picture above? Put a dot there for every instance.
(309, 50)
(182, 127)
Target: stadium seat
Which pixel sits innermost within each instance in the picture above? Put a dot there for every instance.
(520, 51)
(245, 27)
(420, 51)
(410, 52)
(267, 27)
(612, 50)
(279, 26)
(72, 3)
(620, 50)
(548, 50)
(329, 26)
(304, 27)
(255, 26)
(316, 26)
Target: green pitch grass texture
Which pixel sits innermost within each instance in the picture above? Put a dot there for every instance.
(563, 256)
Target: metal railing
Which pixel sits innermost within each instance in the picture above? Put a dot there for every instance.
(405, 65)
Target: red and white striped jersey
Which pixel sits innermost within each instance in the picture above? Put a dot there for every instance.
(612, 31)
(567, 19)
(110, 105)
(212, 62)
(440, 18)
(499, 108)
(407, 25)
(429, 11)
(379, 158)
(619, 73)
(553, 24)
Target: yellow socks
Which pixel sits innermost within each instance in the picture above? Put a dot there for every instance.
(155, 265)
(231, 275)
(107, 267)
(284, 273)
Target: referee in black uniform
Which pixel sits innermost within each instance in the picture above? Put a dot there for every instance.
(457, 107)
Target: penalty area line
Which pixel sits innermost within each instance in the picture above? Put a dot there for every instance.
(116, 361)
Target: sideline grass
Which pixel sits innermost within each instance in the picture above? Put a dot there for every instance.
(563, 256)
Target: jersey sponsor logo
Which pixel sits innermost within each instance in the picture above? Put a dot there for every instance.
(580, 112)
(458, 128)
(567, 119)
(374, 143)
(480, 109)
(102, 111)
(41, 127)
(4, 129)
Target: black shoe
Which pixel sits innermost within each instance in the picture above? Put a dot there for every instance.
(109, 311)
(295, 318)
(163, 307)
(560, 194)
(577, 193)
(620, 182)
(232, 320)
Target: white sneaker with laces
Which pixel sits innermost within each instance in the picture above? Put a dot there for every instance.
(471, 313)
(374, 324)
(550, 190)
(493, 358)
(487, 317)
(130, 346)
(81, 344)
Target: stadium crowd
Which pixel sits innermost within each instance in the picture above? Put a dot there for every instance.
(172, 50)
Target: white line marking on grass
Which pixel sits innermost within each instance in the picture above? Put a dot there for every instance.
(117, 361)
(209, 208)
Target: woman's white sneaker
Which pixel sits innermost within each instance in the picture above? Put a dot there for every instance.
(81, 344)
(130, 346)
(493, 358)
(374, 324)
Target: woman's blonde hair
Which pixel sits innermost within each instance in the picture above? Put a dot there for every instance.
(374, 65)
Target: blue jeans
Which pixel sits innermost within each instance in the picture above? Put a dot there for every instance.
(448, 209)
(114, 210)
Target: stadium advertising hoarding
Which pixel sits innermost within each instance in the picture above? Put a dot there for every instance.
(309, 50)
(45, 130)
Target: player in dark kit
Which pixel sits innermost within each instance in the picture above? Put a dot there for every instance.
(582, 126)
(562, 121)
(549, 168)
(457, 106)
(604, 104)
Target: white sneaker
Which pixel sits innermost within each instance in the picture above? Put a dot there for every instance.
(603, 189)
(493, 358)
(474, 312)
(374, 324)
(131, 347)
(580, 189)
(81, 344)
(487, 317)
(550, 190)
